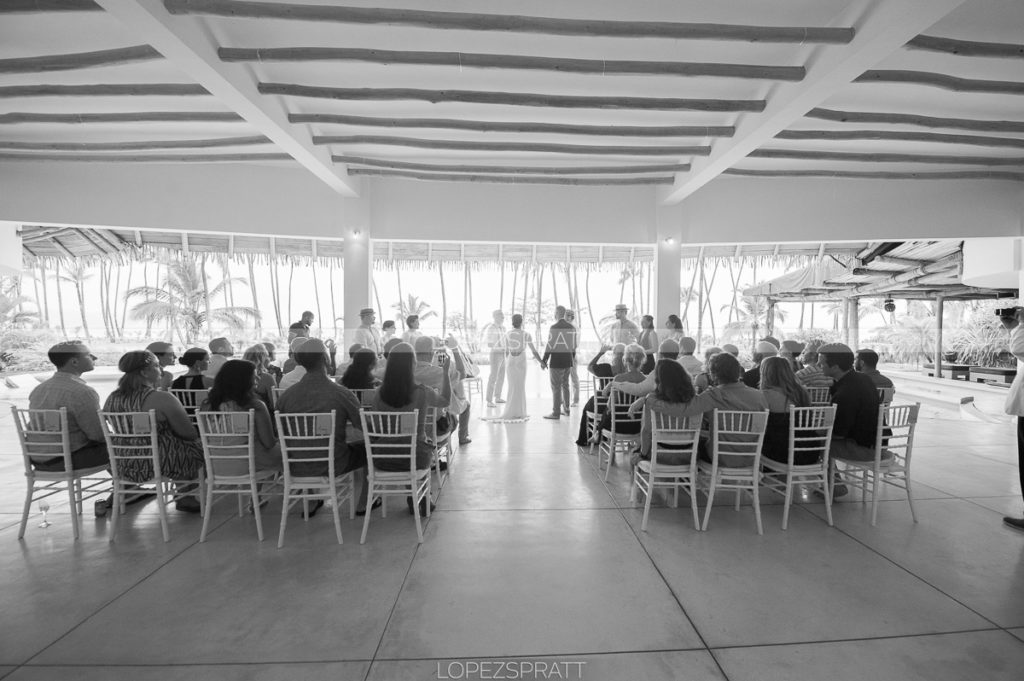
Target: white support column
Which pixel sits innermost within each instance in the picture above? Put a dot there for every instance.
(854, 323)
(667, 254)
(939, 309)
(358, 262)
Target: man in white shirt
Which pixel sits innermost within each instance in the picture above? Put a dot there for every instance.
(687, 346)
(412, 324)
(165, 353)
(367, 334)
(574, 374)
(623, 330)
(431, 375)
(494, 340)
(1011, 319)
(221, 351)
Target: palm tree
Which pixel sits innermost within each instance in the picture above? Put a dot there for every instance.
(751, 313)
(77, 275)
(181, 300)
(11, 313)
(412, 305)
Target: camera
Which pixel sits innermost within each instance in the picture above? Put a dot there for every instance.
(1007, 311)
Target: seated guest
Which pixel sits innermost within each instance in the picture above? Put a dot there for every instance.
(648, 340)
(67, 389)
(731, 349)
(341, 367)
(387, 331)
(265, 382)
(601, 370)
(300, 329)
(669, 350)
(673, 388)
(289, 363)
(221, 351)
(867, 364)
(633, 359)
(165, 353)
(297, 371)
(412, 323)
(781, 390)
(197, 360)
(234, 389)
(687, 346)
(762, 350)
(429, 373)
(702, 380)
(791, 351)
(810, 375)
(401, 392)
(274, 370)
(315, 392)
(856, 400)
(181, 455)
(728, 394)
(359, 374)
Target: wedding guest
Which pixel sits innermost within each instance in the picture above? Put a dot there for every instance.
(762, 350)
(412, 326)
(687, 346)
(702, 381)
(265, 382)
(574, 374)
(197, 360)
(672, 389)
(235, 389)
(601, 370)
(221, 351)
(674, 328)
(867, 364)
(367, 334)
(165, 353)
(273, 368)
(782, 391)
(622, 329)
(648, 340)
(494, 340)
(301, 328)
(811, 374)
(634, 359)
(387, 332)
(359, 374)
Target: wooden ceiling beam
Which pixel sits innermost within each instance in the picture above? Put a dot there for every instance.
(882, 175)
(942, 81)
(536, 170)
(62, 248)
(902, 262)
(967, 48)
(513, 179)
(79, 60)
(463, 60)
(901, 136)
(126, 117)
(882, 28)
(465, 21)
(135, 146)
(145, 158)
(189, 46)
(92, 241)
(511, 98)
(39, 6)
(542, 147)
(870, 157)
(110, 238)
(106, 90)
(914, 119)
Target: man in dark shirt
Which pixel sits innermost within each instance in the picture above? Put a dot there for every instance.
(561, 349)
(317, 393)
(856, 400)
(763, 349)
(300, 329)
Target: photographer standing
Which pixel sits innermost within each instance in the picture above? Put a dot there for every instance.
(1011, 319)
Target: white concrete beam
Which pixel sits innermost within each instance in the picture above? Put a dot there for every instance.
(881, 28)
(186, 42)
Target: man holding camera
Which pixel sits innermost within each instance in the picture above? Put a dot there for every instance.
(1011, 318)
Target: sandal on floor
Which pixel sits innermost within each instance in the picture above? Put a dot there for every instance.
(377, 503)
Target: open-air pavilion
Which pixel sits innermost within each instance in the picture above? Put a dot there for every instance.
(539, 131)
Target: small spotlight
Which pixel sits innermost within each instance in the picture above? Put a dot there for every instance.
(889, 305)
(669, 240)
(356, 233)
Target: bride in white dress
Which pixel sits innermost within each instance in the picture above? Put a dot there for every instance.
(516, 343)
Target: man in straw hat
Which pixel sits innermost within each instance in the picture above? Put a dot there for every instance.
(623, 330)
(367, 334)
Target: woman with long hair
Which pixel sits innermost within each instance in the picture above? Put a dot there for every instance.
(197, 360)
(674, 327)
(235, 389)
(181, 455)
(265, 380)
(648, 340)
(608, 369)
(516, 343)
(782, 391)
(359, 374)
(633, 358)
(672, 388)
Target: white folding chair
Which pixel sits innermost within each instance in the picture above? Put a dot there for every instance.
(819, 395)
(442, 444)
(363, 395)
(276, 393)
(675, 435)
(131, 443)
(600, 404)
(885, 395)
(229, 449)
(737, 435)
(810, 431)
(44, 435)
(308, 439)
(894, 444)
(191, 400)
(613, 440)
(390, 438)
(471, 385)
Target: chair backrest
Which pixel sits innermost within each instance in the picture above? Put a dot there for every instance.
(738, 435)
(819, 395)
(131, 438)
(43, 434)
(810, 431)
(308, 438)
(191, 400)
(229, 442)
(363, 395)
(276, 394)
(430, 429)
(618, 406)
(896, 426)
(600, 400)
(390, 436)
(675, 434)
(885, 395)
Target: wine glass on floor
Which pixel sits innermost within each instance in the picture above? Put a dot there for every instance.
(44, 508)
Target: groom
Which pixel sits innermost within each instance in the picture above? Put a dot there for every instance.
(561, 349)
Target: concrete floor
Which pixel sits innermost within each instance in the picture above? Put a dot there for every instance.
(530, 557)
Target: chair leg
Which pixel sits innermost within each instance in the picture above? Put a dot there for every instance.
(416, 513)
(26, 510)
(828, 500)
(789, 500)
(284, 517)
(116, 510)
(910, 495)
(756, 492)
(164, 495)
(336, 514)
(369, 512)
(254, 489)
(647, 503)
(711, 500)
(209, 512)
(693, 504)
(874, 499)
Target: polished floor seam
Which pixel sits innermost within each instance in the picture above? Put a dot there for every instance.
(860, 639)
(116, 598)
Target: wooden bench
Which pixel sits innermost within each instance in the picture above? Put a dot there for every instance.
(992, 375)
(958, 372)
